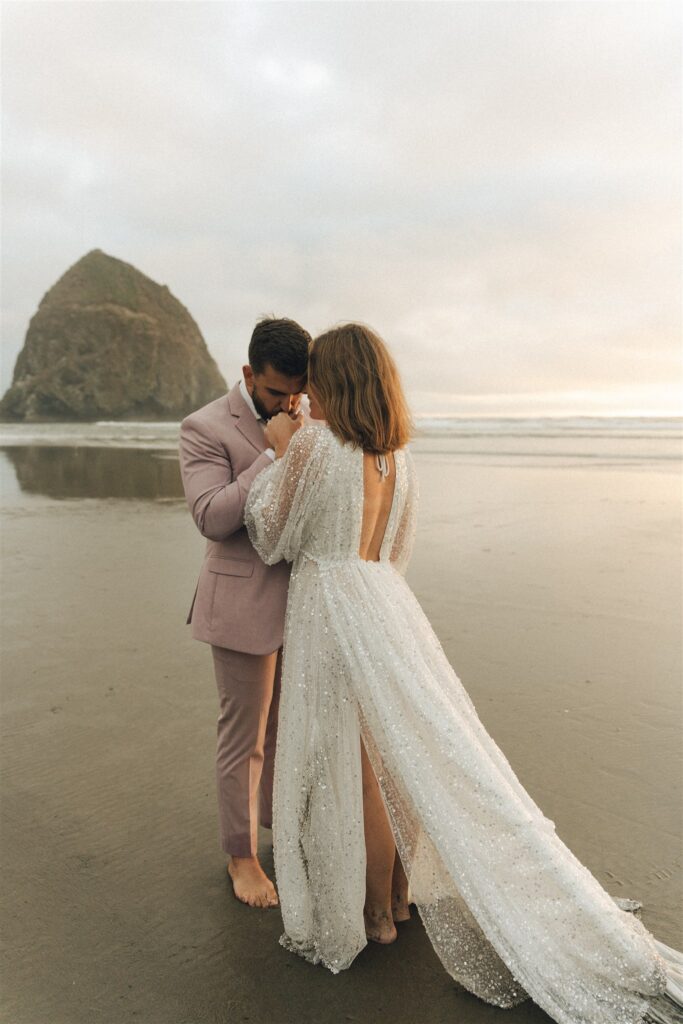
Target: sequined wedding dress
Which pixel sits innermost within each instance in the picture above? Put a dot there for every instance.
(510, 911)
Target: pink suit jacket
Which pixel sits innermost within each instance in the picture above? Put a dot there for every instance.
(239, 602)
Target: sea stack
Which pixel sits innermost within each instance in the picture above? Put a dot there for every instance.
(107, 342)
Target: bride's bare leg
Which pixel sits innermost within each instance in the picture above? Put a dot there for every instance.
(381, 851)
(400, 908)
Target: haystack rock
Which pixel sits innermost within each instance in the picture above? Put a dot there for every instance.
(109, 343)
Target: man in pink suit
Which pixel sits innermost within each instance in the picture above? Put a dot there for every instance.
(239, 603)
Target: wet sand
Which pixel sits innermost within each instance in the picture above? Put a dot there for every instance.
(555, 588)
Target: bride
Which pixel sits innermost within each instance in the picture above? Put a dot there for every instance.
(383, 769)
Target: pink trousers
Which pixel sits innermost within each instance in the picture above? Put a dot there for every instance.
(249, 695)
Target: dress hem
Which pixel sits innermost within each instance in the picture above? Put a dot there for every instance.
(312, 953)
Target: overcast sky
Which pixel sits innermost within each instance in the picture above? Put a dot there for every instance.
(494, 187)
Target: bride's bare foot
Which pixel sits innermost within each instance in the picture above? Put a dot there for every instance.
(379, 925)
(250, 883)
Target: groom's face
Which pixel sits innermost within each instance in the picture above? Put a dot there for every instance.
(272, 392)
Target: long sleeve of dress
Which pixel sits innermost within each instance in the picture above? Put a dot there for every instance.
(402, 547)
(282, 499)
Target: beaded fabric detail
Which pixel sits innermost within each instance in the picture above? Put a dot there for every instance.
(510, 911)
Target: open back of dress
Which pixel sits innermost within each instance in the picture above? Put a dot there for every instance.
(379, 491)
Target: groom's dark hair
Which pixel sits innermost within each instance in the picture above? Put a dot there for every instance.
(282, 344)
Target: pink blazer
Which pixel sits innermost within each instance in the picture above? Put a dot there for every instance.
(239, 601)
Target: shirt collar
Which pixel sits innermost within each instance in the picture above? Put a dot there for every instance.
(247, 398)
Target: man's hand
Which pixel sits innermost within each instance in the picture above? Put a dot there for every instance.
(280, 430)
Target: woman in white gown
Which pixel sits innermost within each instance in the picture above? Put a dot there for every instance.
(510, 911)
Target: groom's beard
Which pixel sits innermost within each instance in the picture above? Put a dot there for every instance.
(260, 407)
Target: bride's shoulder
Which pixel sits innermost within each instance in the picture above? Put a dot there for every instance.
(405, 463)
(404, 454)
(310, 439)
(317, 432)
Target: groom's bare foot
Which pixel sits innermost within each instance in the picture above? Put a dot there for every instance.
(250, 883)
(379, 925)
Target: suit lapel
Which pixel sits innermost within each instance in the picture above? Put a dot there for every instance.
(245, 421)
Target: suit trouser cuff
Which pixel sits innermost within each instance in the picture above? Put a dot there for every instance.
(238, 846)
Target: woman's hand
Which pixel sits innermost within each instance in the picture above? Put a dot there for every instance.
(280, 430)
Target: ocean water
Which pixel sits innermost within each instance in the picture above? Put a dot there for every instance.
(661, 436)
(114, 459)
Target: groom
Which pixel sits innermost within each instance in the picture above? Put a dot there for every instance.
(239, 602)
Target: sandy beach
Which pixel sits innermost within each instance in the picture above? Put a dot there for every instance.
(554, 584)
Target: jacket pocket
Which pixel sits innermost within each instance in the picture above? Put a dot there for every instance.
(230, 566)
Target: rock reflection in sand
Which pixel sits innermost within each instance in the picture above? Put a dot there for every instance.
(84, 472)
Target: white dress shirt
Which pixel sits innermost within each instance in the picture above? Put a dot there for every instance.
(250, 402)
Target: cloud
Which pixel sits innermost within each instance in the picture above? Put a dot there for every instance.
(494, 187)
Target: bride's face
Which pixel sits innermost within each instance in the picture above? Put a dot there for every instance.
(316, 410)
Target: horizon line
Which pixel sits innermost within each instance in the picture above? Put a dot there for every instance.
(551, 416)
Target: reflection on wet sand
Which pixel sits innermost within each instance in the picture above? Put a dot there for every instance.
(93, 472)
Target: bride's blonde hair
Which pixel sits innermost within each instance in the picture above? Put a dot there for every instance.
(359, 389)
